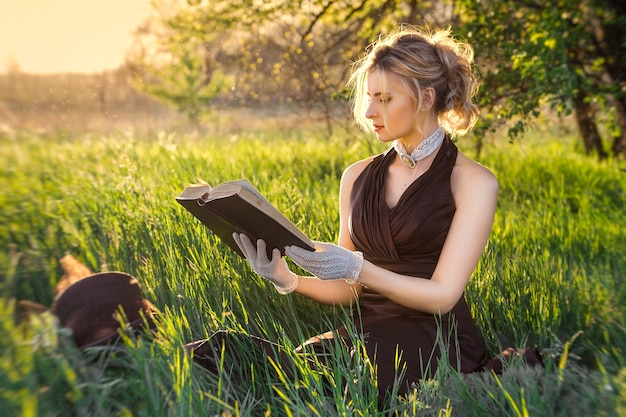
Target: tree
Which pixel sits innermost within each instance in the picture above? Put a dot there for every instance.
(566, 54)
(610, 38)
(555, 52)
(171, 63)
(282, 51)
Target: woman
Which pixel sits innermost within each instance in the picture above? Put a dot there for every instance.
(414, 220)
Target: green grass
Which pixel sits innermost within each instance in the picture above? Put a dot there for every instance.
(551, 276)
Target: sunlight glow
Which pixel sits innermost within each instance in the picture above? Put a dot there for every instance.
(41, 36)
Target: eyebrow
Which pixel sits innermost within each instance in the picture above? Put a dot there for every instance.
(380, 94)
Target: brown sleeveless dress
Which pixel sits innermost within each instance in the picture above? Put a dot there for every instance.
(408, 239)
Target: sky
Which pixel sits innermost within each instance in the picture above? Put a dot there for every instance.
(53, 36)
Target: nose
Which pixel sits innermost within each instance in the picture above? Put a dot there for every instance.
(370, 112)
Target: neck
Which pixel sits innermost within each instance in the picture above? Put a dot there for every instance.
(424, 149)
(410, 143)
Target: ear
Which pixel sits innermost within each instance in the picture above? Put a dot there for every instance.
(428, 98)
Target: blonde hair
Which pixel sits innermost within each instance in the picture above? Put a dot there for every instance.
(422, 59)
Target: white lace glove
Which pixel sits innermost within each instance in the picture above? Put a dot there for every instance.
(328, 262)
(276, 271)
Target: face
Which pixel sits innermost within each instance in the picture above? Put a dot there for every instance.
(391, 98)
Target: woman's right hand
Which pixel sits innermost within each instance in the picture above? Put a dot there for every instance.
(275, 270)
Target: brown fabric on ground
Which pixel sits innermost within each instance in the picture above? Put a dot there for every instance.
(90, 307)
(530, 356)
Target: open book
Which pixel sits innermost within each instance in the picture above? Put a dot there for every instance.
(236, 206)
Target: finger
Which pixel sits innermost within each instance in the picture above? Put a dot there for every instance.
(276, 255)
(261, 254)
(289, 250)
(320, 246)
(296, 252)
(237, 239)
(247, 247)
(299, 256)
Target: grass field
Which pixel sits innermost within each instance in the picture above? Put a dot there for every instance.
(552, 276)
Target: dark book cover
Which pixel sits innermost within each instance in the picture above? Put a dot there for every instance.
(236, 206)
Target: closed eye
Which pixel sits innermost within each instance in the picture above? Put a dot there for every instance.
(382, 97)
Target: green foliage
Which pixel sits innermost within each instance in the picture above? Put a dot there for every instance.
(286, 52)
(562, 54)
(553, 216)
(181, 72)
(551, 53)
(552, 276)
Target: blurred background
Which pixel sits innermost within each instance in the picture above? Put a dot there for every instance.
(143, 66)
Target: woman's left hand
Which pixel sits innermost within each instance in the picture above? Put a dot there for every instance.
(328, 262)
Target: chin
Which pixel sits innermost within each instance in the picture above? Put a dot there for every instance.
(382, 138)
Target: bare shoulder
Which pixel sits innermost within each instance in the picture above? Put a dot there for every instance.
(351, 173)
(468, 176)
(348, 178)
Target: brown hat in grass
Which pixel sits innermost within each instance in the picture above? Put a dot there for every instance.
(90, 307)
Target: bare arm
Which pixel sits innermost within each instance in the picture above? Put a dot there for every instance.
(475, 192)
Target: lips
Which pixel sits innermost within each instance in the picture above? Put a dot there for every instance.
(378, 128)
